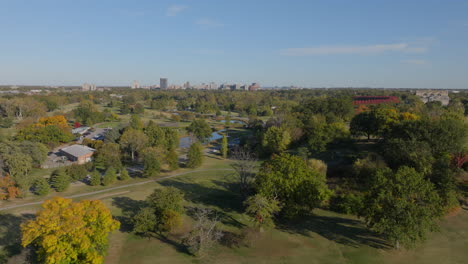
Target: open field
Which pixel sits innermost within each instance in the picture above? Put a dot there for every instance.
(325, 237)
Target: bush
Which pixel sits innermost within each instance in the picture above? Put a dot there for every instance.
(124, 174)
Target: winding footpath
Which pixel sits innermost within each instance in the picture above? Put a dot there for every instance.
(115, 188)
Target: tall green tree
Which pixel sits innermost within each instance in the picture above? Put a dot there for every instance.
(109, 177)
(41, 187)
(133, 141)
(59, 180)
(108, 155)
(95, 178)
(224, 146)
(403, 206)
(162, 213)
(156, 135)
(136, 123)
(151, 162)
(275, 140)
(172, 159)
(200, 129)
(195, 155)
(295, 184)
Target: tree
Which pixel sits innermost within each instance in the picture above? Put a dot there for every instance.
(112, 136)
(200, 129)
(363, 124)
(8, 189)
(67, 232)
(76, 172)
(48, 130)
(195, 155)
(295, 184)
(41, 187)
(136, 123)
(168, 198)
(124, 174)
(37, 151)
(133, 141)
(59, 180)
(162, 213)
(138, 109)
(261, 209)
(245, 164)
(144, 222)
(172, 159)
(224, 146)
(275, 140)
(156, 135)
(18, 166)
(172, 138)
(403, 206)
(152, 165)
(95, 178)
(109, 177)
(108, 155)
(205, 233)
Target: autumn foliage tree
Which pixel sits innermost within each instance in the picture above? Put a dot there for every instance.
(67, 232)
(8, 189)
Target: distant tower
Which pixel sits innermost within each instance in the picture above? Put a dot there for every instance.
(163, 83)
(136, 85)
(88, 87)
(254, 86)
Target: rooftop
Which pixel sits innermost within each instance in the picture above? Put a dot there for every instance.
(78, 150)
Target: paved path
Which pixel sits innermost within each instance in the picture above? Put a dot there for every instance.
(114, 188)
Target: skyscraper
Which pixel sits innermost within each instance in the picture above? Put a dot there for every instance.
(136, 85)
(163, 83)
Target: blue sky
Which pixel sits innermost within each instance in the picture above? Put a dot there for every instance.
(308, 43)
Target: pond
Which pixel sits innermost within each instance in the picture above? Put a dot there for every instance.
(185, 142)
(234, 122)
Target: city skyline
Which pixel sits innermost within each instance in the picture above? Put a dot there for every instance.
(398, 44)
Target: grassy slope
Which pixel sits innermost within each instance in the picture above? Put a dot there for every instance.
(326, 237)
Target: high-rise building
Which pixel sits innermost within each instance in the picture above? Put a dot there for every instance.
(212, 86)
(163, 83)
(186, 85)
(254, 87)
(136, 85)
(88, 87)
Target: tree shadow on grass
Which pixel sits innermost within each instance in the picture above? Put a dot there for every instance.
(344, 231)
(211, 196)
(129, 209)
(10, 234)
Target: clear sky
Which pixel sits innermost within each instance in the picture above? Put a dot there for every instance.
(310, 43)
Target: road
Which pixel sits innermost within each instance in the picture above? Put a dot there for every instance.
(114, 188)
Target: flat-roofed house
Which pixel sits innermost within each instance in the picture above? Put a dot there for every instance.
(78, 153)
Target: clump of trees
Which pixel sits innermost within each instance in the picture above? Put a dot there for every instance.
(48, 130)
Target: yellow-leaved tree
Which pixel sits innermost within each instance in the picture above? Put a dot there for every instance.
(68, 232)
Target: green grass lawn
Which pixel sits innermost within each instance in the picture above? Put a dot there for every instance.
(325, 237)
